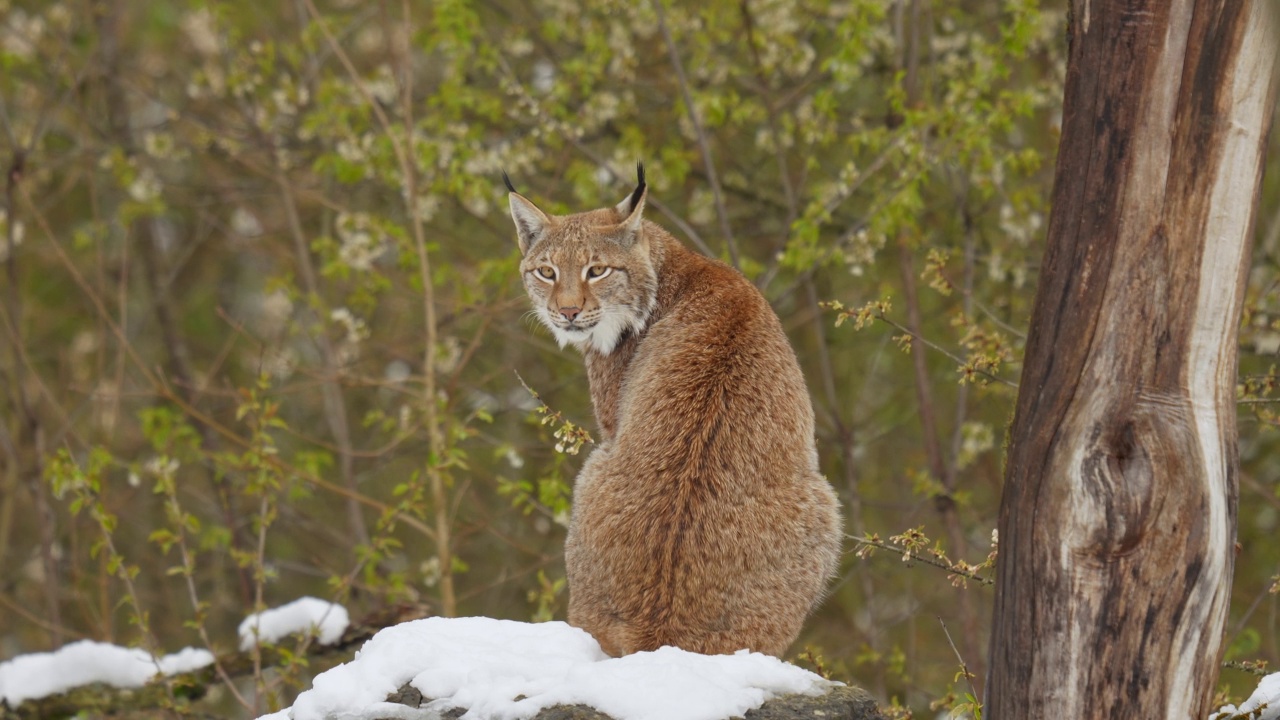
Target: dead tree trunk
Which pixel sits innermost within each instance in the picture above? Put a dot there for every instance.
(1119, 511)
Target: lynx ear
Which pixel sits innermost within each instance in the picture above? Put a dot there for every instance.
(631, 210)
(530, 221)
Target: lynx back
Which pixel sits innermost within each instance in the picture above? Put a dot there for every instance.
(701, 519)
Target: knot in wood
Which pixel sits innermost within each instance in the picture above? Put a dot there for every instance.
(1115, 488)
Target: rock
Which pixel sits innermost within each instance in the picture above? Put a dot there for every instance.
(406, 695)
(842, 703)
(411, 696)
(571, 712)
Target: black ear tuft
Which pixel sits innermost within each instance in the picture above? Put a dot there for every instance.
(635, 196)
(512, 188)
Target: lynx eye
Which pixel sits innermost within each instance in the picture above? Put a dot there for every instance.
(546, 272)
(595, 272)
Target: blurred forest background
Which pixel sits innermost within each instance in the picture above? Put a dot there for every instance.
(261, 315)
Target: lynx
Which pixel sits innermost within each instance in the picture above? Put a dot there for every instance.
(700, 520)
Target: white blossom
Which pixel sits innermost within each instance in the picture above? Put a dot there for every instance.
(245, 224)
(544, 76)
(22, 34)
(84, 342)
(199, 28)
(702, 208)
(279, 362)
(145, 187)
(274, 312)
(519, 47)
(355, 150)
(19, 231)
(161, 466)
(158, 145)
(59, 15)
(383, 85)
(425, 207)
(513, 458)
(1020, 228)
(477, 205)
(362, 243)
(448, 355)
(355, 327)
(370, 39)
(397, 371)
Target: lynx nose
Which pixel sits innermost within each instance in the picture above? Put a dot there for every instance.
(570, 313)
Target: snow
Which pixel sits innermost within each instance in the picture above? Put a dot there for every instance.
(1267, 695)
(506, 670)
(38, 675)
(305, 615)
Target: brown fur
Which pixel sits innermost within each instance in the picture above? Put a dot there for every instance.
(700, 520)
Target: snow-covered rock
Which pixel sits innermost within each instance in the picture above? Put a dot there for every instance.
(1267, 697)
(505, 670)
(38, 675)
(305, 615)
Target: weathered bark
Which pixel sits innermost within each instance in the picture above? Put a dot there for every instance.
(1119, 513)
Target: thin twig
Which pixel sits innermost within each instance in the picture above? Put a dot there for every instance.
(259, 582)
(938, 348)
(7, 122)
(1253, 668)
(188, 574)
(950, 480)
(30, 430)
(775, 129)
(350, 67)
(439, 496)
(993, 317)
(845, 442)
(938, 466)
(177, 353)
(912, 557)
(408, 176)
(150, 643)
(968, 676)
(694, 236)
(833, 204)
(967, 302)
(1248, 614)
(166, 392)
(941, 467)
(1266, 494)
(703, 145)
(614, 174)
(20, 611)
(1273, 234)
(335, 406)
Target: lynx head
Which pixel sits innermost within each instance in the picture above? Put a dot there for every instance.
(590, 275)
